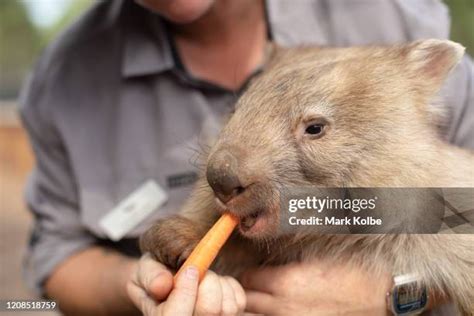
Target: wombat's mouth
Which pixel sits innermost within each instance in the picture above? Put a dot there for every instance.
(247, 222)
(256, 224)
(257, 209)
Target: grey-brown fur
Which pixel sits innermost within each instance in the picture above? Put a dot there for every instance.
(383, 131)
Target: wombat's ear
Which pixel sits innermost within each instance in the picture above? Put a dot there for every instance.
(432, 60)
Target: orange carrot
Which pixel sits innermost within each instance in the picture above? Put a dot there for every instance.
(207, 249)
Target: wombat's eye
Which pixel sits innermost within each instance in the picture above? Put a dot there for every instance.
(314, 129)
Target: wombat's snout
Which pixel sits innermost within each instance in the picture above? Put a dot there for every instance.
(222, 175)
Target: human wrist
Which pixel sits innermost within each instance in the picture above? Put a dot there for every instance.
(364, 293)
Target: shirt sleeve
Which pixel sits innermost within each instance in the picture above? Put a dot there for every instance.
(430, 19)
(458, 96)
(51, 194)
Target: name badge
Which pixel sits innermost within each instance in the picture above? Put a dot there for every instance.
(132, 210)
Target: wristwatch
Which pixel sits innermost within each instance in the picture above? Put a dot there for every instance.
(408, 295)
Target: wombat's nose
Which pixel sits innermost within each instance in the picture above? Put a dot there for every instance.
(222, 176)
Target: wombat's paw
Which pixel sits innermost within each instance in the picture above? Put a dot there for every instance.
(171, 240)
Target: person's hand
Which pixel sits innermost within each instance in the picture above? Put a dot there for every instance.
(315, 288)
(151, 290)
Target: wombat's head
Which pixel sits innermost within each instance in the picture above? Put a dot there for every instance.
(327, 117)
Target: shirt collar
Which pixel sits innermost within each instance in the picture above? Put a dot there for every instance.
(146, 48)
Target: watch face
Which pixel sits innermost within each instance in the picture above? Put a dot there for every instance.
(410, 297)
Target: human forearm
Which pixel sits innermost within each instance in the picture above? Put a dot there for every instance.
(92, 282)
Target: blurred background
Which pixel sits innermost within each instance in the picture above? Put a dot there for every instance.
(26, 27)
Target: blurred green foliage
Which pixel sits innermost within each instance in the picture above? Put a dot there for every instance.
(73, 11)
(462, 27)
(21, 41)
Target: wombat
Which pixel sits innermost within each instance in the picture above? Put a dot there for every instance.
(332, 117)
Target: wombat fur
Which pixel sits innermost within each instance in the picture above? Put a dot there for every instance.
(376, 126)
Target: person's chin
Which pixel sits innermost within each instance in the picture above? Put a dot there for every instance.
(179, 11)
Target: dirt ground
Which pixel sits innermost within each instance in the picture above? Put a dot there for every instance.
(15, 162)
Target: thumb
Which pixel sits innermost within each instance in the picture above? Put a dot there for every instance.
(182, 298)
(161, 286)
(154, 278)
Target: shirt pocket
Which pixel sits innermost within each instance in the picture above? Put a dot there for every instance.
(101, 198)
